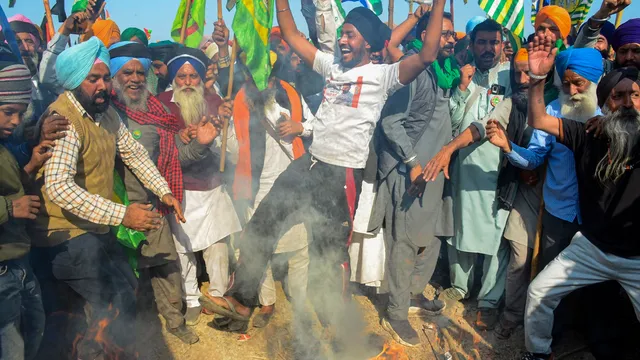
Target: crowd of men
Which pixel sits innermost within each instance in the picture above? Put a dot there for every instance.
(372, 156)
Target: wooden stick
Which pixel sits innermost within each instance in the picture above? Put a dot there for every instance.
(410, 7)
(185, 20)
(225, 128)
(219, 10)
(619, 18)
(51, 30)
(535, 258)
(390, 22)
(451, 9)
(453, 347)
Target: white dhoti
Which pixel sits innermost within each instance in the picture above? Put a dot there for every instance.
(211, 218)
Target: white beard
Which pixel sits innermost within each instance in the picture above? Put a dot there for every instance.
(193, 105)
(135, 105)
(622, 128)
(580, 107)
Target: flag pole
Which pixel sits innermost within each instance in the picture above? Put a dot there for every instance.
(410, 7)
(619, 18)
(451, 9)
(390, 22)
(51, 30)
(225, 128)
(219, 10)
(185, 20)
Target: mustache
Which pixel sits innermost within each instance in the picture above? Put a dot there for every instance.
(488, 55)
(448, 47)
(101, 95)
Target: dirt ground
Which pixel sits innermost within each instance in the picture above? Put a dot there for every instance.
(275, 341)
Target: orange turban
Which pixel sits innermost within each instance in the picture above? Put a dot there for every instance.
(558, 15)
(105, 30)
(521, 55)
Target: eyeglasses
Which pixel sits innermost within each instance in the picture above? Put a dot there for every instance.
(449, 34)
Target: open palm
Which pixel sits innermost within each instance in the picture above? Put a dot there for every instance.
(542, 55)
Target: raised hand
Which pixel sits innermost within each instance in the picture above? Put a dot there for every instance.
(220, 34)
(611, 7)
(542, 55)
(422, 10)
(206, 132)
(498, 136)
(225, 111)
(466, 75)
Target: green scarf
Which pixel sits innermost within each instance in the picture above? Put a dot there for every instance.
(129, 239)
(448, 75)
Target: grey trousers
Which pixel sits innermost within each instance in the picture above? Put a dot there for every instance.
(166, 282)
(518, 274)
(494, 274)
(577, 266)
(409, 270)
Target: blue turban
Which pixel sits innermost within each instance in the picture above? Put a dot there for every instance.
(195, 57)
(627, 33)
(586, 62)
(123, 52)
(471, 24)
(74, 64)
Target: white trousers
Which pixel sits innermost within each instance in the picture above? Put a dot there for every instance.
(216, 259)
(297, 277)
(577, 266)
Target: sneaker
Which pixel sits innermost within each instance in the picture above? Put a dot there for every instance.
(450, 294)
(486, 319)
(421, 306)
(505, 329)
(185, 334)
(532, 356)
(402, 332)
(192, 316)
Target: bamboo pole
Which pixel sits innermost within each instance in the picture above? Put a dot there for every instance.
(51, 30)
(451, 10)
(225, 128)
(619, 18)
(185, 20)
(410, 7)
(535, 258)
(390, 22)
(219, 10)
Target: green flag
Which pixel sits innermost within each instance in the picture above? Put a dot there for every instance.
(195, 23)
(508, 13)
(252, 26)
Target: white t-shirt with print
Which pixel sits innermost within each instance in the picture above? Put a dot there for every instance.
(351, 107)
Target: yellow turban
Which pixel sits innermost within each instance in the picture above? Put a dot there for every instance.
(521, 55)
(558, 15)
(105, 30)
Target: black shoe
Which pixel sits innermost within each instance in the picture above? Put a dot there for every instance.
(421, 306)
(532, 356)
(505, 329)
(402, 332)
(185, 334)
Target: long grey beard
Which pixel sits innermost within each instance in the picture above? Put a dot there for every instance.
(622, 129)
(193, 105)
(580, 107)
(135, 105)
(32, 62)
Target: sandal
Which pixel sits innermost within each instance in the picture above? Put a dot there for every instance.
(231, 312)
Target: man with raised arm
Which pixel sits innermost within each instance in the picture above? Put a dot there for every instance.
(323, 182)
(607, 247)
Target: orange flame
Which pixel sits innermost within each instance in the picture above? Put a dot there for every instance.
(392, 351)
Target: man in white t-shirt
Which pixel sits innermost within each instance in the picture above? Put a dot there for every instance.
(323, 184)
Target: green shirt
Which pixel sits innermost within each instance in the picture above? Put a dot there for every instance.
(14, 242)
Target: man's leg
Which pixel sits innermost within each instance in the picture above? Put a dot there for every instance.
(268, 288)
(494, 277)
(461, 267)
(425, 266)
(33, 317)
(518, 274)
(216, 259)
(166, 282)
(556, 236)
(402, 262)
(95, 267)
(189, 271)
(12, 345)
(297, 278)
(289, 194)
(577, 266)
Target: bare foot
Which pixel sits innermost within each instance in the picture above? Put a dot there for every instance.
(267, 309)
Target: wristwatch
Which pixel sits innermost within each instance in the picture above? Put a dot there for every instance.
(9, 207)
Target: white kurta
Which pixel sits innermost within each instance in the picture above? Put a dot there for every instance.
(210, 216)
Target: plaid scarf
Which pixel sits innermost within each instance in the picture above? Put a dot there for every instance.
(167, 126)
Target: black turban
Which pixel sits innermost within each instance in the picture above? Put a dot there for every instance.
(609, 82)
(369, 26)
